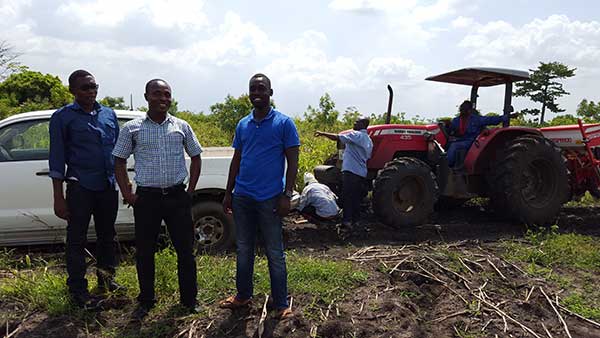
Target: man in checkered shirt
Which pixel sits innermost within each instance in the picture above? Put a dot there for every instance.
(158, 142)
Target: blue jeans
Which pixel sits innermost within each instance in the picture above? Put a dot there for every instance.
(251, 216)
(454, 148)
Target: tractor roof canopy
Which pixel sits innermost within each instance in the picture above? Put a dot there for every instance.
(481, 77)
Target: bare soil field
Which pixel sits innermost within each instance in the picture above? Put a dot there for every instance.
(449, 278)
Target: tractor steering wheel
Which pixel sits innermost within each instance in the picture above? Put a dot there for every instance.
(442, 127)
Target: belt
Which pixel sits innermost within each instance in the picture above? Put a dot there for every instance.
(164, 191)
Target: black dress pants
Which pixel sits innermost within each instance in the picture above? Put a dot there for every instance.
(83, 204)
(150, 209)
(352, 195)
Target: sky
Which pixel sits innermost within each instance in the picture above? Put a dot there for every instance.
(350, 49)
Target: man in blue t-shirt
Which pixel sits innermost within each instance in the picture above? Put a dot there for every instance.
(257, 195)
(354, 169)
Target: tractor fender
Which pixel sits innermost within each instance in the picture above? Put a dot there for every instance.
(484, 149)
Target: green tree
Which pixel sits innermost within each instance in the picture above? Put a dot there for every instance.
(562, 120)
(325, 115)
(173, 110)
(589, 111)
(226, 114)
(8, 60)
(543, 87)
(114, 102)
(29, 90)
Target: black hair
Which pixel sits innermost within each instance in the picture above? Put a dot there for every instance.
(257, 75)
(466, 106)
(153, 81)
(78, 74)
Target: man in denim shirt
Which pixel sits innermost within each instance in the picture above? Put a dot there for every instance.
(82, 137)
(263, 141)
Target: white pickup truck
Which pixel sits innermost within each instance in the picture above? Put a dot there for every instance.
(26, 207)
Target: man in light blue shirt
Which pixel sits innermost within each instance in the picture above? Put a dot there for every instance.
(354, 168)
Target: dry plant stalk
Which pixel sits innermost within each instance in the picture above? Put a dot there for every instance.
(557, 313)
(546, 329)
(495, 268)
(263, 316)
(502, 313)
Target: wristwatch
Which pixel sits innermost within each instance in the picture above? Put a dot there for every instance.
(288, 193)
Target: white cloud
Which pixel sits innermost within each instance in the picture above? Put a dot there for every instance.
(11, 9)
(462, 22)
(233, 43)
(406, 20)
(391, 69)
(412, 10)
(371, 5)
(556, 38)
(183, 14)
(305, 62)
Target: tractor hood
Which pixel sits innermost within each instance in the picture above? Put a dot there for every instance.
(481, 77)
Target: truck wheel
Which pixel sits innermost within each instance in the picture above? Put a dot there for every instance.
(529, 180)
(214, 230)
(405, 192)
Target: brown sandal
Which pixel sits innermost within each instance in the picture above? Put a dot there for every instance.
(284, 314)
(232, 302)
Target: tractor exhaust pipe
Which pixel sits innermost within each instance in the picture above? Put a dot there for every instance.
(388, 117)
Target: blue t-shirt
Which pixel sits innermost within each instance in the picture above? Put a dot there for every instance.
(358, 150)
(263, 144)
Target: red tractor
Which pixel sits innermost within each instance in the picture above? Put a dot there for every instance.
(522, 172)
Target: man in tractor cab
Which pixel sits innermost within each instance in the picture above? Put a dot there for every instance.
(465, 128)
(354, 171)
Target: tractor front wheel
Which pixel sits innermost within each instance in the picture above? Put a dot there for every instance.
(529, 180)
(405, 192)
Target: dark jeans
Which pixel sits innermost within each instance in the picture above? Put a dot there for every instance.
(82, 204)
(250, 216)
(150, 209)
(353, 193)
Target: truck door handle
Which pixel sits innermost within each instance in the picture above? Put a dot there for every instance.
(43, 172)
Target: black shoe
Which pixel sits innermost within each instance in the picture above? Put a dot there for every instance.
(140, 312)
(80, 299)
(111, 286)
(192, 309)
(343, 231)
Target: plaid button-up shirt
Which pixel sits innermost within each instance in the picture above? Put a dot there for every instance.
(158, 150)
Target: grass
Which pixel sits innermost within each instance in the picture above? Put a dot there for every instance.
(550, 249)
(324, 280)
(586, 200)
(562, 259)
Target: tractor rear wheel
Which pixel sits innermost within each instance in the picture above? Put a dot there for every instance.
(529, 180)
(404, 192)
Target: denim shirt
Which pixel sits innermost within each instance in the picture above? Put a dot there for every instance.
(83, 142)
(357, 152)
